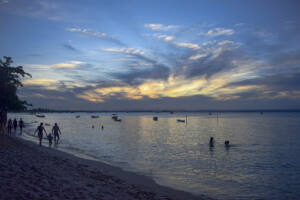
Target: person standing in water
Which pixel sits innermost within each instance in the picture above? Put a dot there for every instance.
(9, 126)
(21, 125)
(211, 142)
(50, 137)
(15, 123)
(56, 132)
(40, 129)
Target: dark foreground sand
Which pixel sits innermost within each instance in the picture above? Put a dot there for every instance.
(28, 171)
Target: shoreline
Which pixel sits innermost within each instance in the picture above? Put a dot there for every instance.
(29, 171)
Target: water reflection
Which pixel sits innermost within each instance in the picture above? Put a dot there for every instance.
(180, 156)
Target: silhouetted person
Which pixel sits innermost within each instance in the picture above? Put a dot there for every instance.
(211, 142)
(50, 138)
(3, 120)
(15, 124)
(40, 129)
(102, 127)
(226, 143)
(21, 125)
(56, 132)
(9, 126)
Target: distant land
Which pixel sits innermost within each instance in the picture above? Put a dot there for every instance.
(39, 110)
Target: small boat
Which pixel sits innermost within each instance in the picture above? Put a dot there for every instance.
(180, 120)
(115, 117)
(155, 118)
(46, 124)
(94, 116)
(40, 115)
(78, 116)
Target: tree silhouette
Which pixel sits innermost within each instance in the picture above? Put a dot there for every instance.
(10, 81)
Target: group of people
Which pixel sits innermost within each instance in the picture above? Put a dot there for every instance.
(10, 124)
(53, 135)
(13, 124)
(212, 142)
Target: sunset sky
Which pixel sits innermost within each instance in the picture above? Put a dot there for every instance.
(155, 54)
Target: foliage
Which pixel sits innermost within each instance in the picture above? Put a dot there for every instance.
(10, 81)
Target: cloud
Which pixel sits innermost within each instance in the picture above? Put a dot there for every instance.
(171, 40)
(153, 69)
(166, 38)
(275, 82)
(197, 56)
(66, 65)
(239, 24)
(187, 45)
(135, 53)
(43, 82)
(138, 76)
(94, 34)
(45, 9)
(160, 27)
(173, 87)
(218, 32)
(70, 47)
(216, 70)
(208, 61)
(287, 59)
(128, 51)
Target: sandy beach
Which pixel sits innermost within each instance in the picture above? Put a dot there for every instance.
(32, 172)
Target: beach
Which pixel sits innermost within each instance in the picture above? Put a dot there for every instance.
(29, 171)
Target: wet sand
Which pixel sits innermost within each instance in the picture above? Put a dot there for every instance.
(28, 171)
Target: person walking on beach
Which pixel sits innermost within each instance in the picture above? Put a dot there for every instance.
(1, 123)
(15, 124)
(40, 129)
(50, 138)
(211, 142)
(3, 120)
(21, 125)
(56, 132)
(9, 126)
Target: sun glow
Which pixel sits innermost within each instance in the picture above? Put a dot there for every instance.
(174, 87)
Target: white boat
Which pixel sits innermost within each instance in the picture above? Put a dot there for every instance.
(116, 118)
(40, 115)
(94, 116)
(78, 116)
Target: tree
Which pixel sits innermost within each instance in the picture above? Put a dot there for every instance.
(10, 81)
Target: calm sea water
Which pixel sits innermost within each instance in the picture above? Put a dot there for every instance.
(262, 162)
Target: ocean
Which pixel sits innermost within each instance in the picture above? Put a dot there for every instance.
(262, 161)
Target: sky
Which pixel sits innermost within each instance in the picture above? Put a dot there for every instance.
(154, 54)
